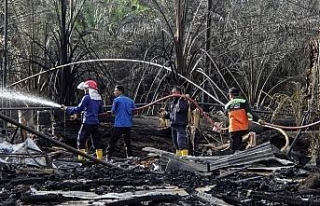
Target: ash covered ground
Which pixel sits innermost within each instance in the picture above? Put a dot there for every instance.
(148, 180)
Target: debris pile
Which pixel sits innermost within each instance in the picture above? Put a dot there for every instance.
(260, 175)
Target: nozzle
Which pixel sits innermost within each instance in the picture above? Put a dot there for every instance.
(63, 107)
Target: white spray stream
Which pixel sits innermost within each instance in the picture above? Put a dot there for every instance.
(12, 95)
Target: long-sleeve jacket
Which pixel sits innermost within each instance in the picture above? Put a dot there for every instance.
(91, 109)
(123, 107)
(239, 112)
(178, 112)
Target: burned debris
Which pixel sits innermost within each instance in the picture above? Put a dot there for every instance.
(49, 174)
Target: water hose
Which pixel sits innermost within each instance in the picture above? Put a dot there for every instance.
(285, 147)
(304, 120)
(177, 95)
(265, 124)
(219, 128)
(293, 127)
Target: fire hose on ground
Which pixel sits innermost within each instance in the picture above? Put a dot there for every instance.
(205, 115)
(219, 128)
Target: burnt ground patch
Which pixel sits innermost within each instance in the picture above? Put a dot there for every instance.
(72, 182)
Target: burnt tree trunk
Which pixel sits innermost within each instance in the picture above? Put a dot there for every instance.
(64, 53)
(312, 80)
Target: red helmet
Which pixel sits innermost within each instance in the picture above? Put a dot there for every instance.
(90, 84)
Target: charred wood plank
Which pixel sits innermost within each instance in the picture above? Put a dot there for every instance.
(210, 199)
(290, 200)
(114, 196)
(226, 174)
(232, 200)
(34, 171)
(30, 180)
(74, 185)
(33, 199)
(153, 199)
(308, 192)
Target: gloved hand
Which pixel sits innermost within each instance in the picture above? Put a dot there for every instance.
(63, 107)
(261, 121)
(162, 113)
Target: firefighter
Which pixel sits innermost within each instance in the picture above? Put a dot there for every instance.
(90, 107)
(239, 113)
(178, 115)
(123, 108)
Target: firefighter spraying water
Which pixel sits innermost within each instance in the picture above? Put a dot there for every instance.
(90, 106)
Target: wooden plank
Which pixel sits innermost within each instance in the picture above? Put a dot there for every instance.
(119, 196)
(211, 199)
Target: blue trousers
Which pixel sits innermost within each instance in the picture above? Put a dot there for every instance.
(179, 136)
(84, 133)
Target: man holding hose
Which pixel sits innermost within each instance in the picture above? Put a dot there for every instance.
(178, 115)
(90, 106)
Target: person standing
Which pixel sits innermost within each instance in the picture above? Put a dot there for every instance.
(238, 112)
(178, 115)
(123, 109)
(90, 107)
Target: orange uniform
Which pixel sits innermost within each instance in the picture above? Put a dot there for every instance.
(238, 112)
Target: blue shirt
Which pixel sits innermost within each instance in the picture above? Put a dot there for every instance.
(90, 108)
(123, 107)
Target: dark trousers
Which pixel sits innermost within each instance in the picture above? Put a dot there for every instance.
(84, 134)
(236, 139)
(179, 136)
(117, 133)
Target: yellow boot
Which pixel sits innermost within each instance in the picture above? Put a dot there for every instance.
(99, 154)
(178, 152)
(184, 152)
(80, 157)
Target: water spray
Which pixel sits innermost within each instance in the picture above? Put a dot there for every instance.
(19, 96)
(119, 60)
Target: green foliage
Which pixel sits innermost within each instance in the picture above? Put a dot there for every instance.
(109, 13)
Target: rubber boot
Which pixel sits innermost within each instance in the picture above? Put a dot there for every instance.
(184, 152)
(99, 154)
(80, 157)
(178, 152)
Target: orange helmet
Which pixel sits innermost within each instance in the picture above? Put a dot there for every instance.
(88, 84)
